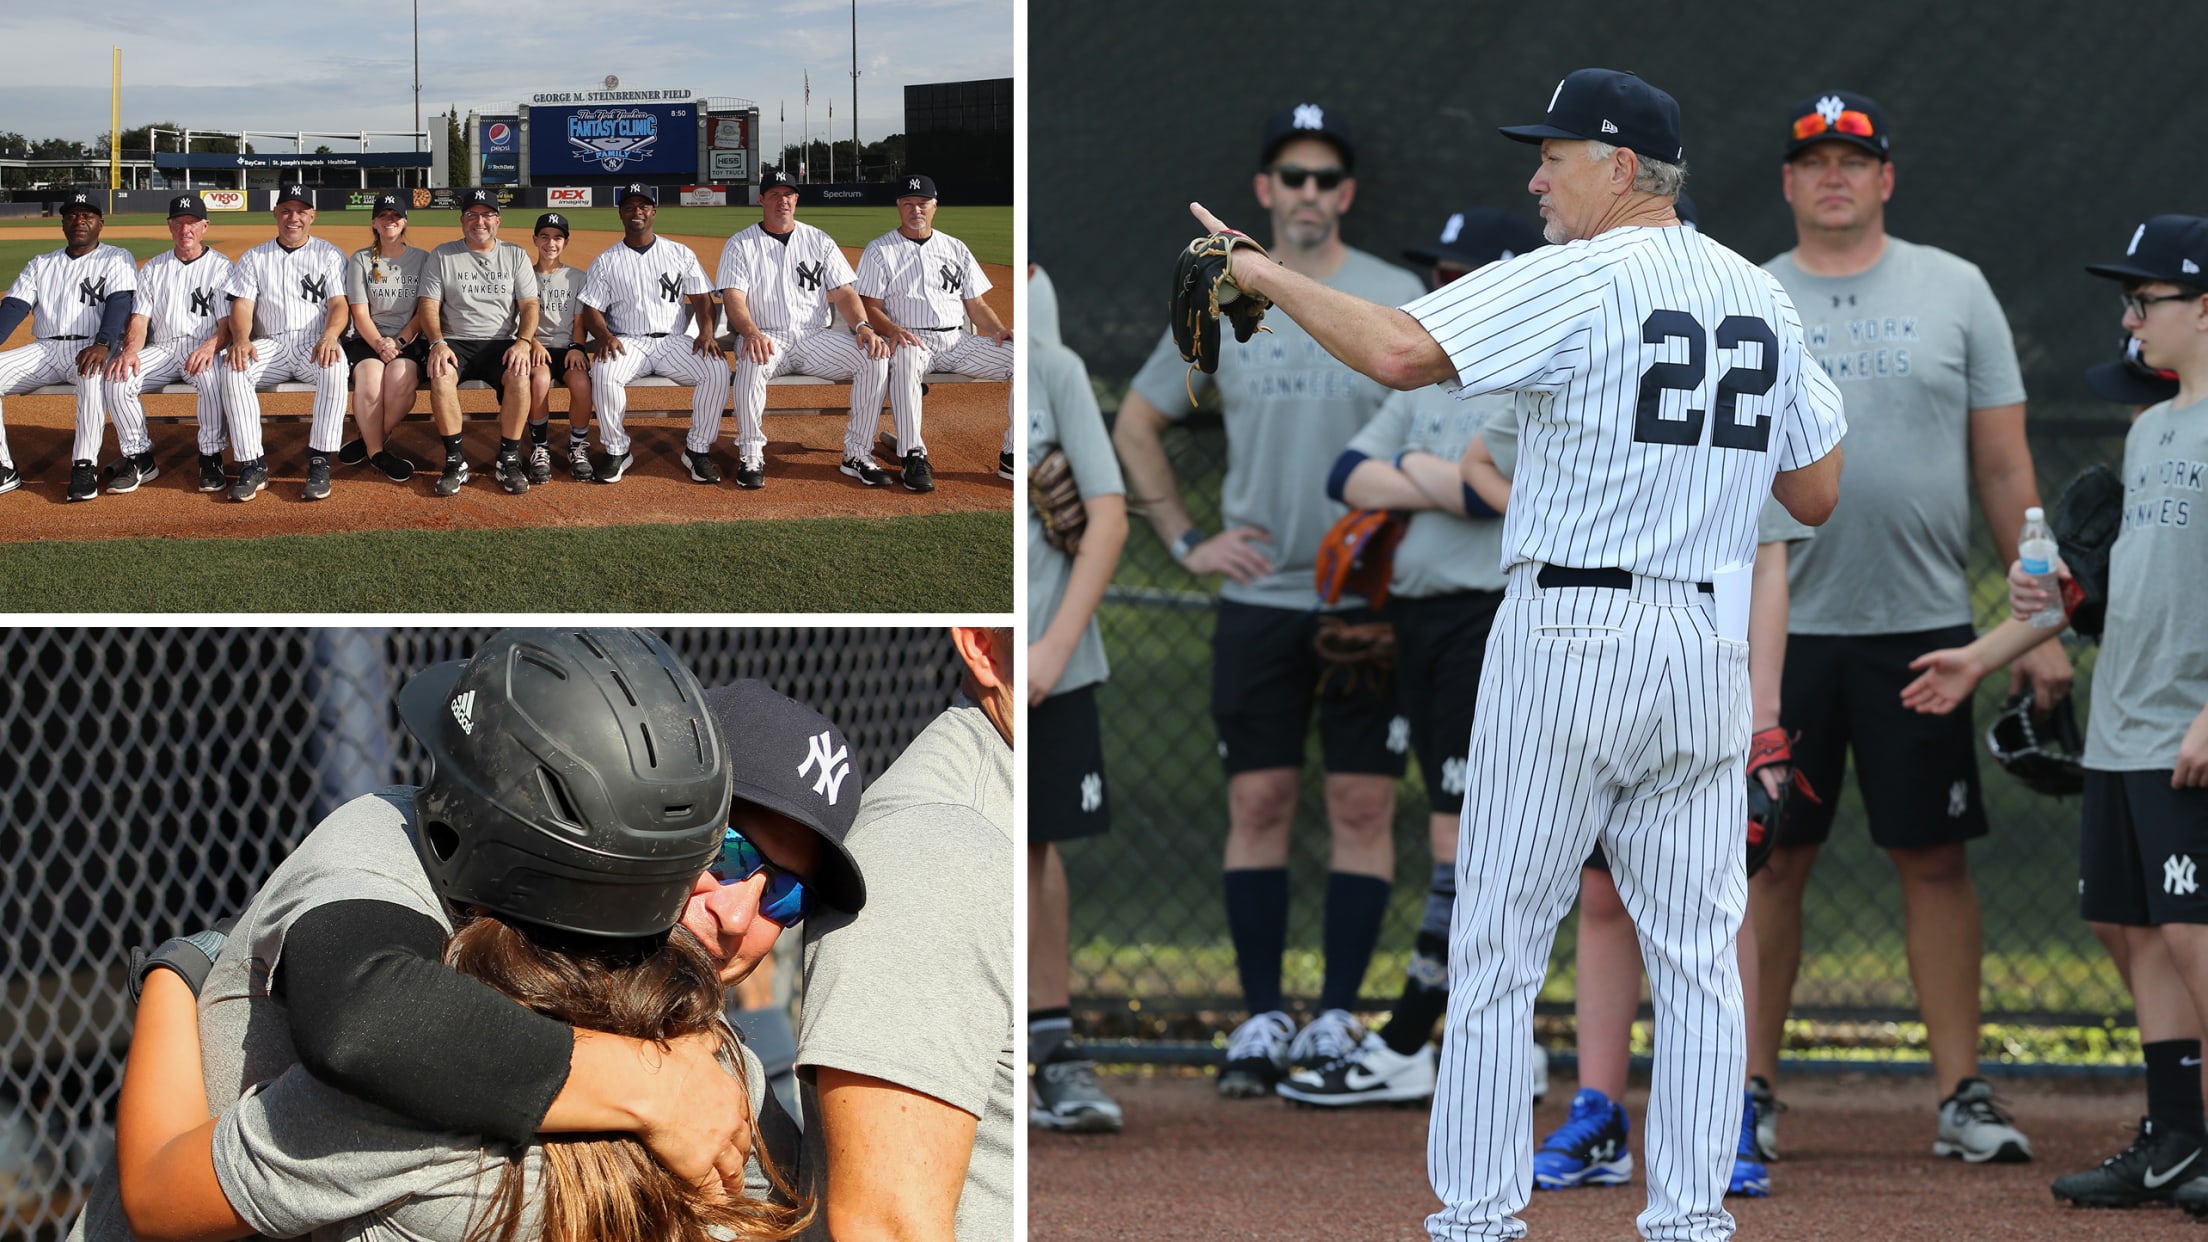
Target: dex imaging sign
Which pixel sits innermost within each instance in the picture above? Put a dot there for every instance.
(623, 139)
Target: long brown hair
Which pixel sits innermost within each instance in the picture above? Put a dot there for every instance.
(610, 1187)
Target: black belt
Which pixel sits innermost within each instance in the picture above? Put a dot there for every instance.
(67, 338)
(936, 329)
(1553, 576)
(654, 335)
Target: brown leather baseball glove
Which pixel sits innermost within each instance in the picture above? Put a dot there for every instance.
(1057, 501)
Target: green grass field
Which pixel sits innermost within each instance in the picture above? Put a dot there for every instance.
(953, 562)
(987, 231)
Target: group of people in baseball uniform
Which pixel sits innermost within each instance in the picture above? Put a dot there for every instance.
(1632, 548)
(388, 319)
(492, 1005)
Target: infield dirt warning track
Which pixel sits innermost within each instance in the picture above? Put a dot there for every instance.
(965, 430)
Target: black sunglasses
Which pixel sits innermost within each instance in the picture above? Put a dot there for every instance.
(1294, 177)
(2138, 303)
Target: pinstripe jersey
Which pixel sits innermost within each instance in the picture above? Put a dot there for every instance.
(67, 295)
(785, 284)
(1676, 385)
(921, 284)
(183, 302)
(642, 291)
(290, 289)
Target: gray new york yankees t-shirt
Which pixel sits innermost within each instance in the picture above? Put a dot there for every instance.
(1289, 408)
(479, 290)
(556, 292)
(1915, 343)
(389, 288)
(1062, 414)
(2152, 678)
(1441, 552)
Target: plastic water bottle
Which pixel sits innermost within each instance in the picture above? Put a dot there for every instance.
(2035, 548)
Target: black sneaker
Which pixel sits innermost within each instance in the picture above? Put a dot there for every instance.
(512, 473)
(148, 469)
(865, 471)
(2192, 1195)
(919, 477)
(9, 479)
(578, 461)
(609, 467)
(751, 474)
(252, 481)
(318, 479)
(1004, 465)
(84, 481)
(120, 477)
(454, 478)
(702, 469)
(540, 463)
(353, 453)
(211, 477)
(1257, 1054)
(2149, 1171)
(395, 468)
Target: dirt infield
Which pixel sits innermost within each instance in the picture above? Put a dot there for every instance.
(965, 426)
(1856, 1166)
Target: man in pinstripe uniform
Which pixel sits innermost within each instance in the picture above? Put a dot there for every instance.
(639, 298)
(783, 284)
(79, 301)
(287, 313)
(177, 329)
(919, 285)
(1667, 392)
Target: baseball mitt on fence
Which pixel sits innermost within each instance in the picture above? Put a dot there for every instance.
(1204, 289)
(1766, 814)
(1057, 500)
(1357, 556)
(1353, 653)
(2086, 521)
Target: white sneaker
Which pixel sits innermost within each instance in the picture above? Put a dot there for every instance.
(1257, 1052)
(1973, 1129)
(1334, 1034)
(1372, 1073)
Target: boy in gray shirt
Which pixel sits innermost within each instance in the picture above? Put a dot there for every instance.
(563, 359)
(479, 313)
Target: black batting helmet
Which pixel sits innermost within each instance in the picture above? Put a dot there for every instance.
(2041, 751)
(580, 780)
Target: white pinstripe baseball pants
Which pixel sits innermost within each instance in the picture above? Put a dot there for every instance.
(831, 354)
(674, 356)
(164, 364)
(55, 362)
(959, 351)
(1619, 717)
(286, 357)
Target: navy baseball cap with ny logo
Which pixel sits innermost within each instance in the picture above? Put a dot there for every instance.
(2172, 248)
(1606, 105)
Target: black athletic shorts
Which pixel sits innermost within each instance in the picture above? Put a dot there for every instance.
(1918, 774)
(559, 362)
(357, 351)
(481, 360)
(1264, 681)
(1440, 645)
(1066, 795)
(2143, 857)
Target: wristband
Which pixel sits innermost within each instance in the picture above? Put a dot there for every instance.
(1186, 544)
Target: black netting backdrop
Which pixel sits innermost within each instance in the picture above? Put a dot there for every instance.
(154, 777)
(2030, 137)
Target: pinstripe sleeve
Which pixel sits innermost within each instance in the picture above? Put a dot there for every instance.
(595, 294)
(1518, 324)
(731, 274)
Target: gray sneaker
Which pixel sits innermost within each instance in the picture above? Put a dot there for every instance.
(578, 461)
(540, 463)
(1767, 1117)
(1064, 1095)
(1973, 1129)
(1331, 1036)
(1257, 1054)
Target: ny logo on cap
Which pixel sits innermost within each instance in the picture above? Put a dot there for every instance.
(2136, 234)
(1556, 94)
(182, 203)
(463, 710)
(833, 766)
(912, 183)
(1450, 230)
(1310, 116)
(1830, 108)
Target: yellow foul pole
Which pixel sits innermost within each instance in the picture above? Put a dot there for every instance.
(115, 128)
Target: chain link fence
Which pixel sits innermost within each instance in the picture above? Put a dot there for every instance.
(154, 777)
(1152, 959)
